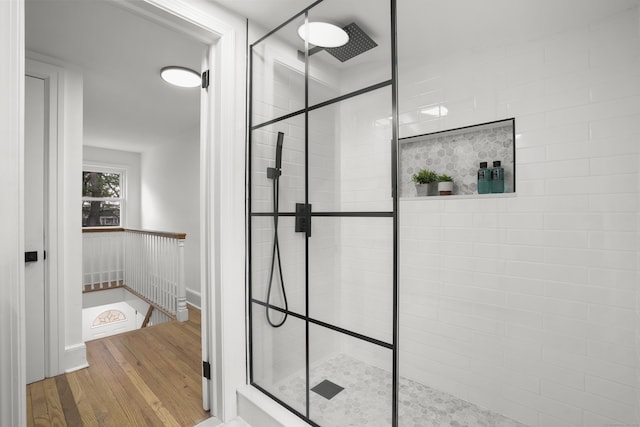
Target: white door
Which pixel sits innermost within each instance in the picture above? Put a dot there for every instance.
(34, 207)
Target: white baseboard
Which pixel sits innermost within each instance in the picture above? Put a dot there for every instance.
(194, 298)
(210, 422)
(214, 422)
(75, 357)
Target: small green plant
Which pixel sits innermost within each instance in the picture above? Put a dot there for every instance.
(444, 178)
(424, 176)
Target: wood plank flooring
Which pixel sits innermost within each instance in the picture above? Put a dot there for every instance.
(147, 377)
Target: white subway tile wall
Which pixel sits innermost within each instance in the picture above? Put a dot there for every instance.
(529, 305)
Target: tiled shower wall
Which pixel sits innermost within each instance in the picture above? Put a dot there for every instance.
(527, 305)
(280, 352)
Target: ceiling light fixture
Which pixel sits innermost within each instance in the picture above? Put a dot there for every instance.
(324, 34)
(437, 111)
(180, 76)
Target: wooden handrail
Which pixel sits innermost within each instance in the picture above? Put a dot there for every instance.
(145, 322)
(180, 236)
(102, 230)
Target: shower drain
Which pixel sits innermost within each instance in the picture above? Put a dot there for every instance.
(327, 389)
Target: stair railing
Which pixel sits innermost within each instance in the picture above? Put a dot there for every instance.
(149, 264)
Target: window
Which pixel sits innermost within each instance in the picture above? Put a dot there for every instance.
(102, 197)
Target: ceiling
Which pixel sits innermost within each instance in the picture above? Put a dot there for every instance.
(436, 28)
(128, 107)
(126, 104)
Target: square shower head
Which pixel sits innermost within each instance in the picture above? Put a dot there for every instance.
(359, 42)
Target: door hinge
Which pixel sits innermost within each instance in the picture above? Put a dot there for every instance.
(205, 79)
(206, 369)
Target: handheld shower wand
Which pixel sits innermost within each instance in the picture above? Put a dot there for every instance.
(279, 150)
(274, 174)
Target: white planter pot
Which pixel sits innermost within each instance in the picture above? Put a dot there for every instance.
(445, 188)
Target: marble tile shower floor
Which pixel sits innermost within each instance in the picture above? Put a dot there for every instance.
(366, 399)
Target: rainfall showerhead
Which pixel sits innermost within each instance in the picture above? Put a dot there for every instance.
(359, 42)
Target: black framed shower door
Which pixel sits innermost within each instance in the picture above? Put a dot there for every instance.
(323, 223)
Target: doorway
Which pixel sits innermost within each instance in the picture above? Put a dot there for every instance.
(227, 31)
(35, 258)
(128, 124)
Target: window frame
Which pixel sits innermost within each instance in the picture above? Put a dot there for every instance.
(112, 169)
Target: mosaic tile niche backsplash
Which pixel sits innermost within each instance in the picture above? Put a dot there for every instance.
(458, 153)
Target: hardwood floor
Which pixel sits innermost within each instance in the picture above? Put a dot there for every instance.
(147, 377)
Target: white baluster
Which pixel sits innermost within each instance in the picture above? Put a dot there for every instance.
(170, 269)
(148, 286)
(167, 272)
(92, 256)
(154, 273)
(125, 262)
(120, 258)
(109, 258)
(181, 313)
(157, 276)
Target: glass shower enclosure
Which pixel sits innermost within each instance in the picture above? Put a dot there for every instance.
(322, 216)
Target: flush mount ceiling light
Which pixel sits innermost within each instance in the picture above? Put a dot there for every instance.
(180, 76)
(324, 34)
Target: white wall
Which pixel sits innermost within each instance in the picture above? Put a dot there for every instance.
(12, 348)
(129, 161)
(526, 305)
(71, 232)
(637, 279)
(170, 197)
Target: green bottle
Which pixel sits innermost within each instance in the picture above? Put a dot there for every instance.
(497, 178)
(484, 179)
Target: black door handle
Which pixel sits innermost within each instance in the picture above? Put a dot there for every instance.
(31, 256)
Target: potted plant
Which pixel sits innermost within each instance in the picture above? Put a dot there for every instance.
(445, 185)
(425, 181)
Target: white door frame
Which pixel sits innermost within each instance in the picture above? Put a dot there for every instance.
(13, 407)
(54, 345)
(222, 190)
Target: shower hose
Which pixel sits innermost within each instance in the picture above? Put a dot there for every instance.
(276, 254)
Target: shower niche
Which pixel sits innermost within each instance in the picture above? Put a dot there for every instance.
(458, 153)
